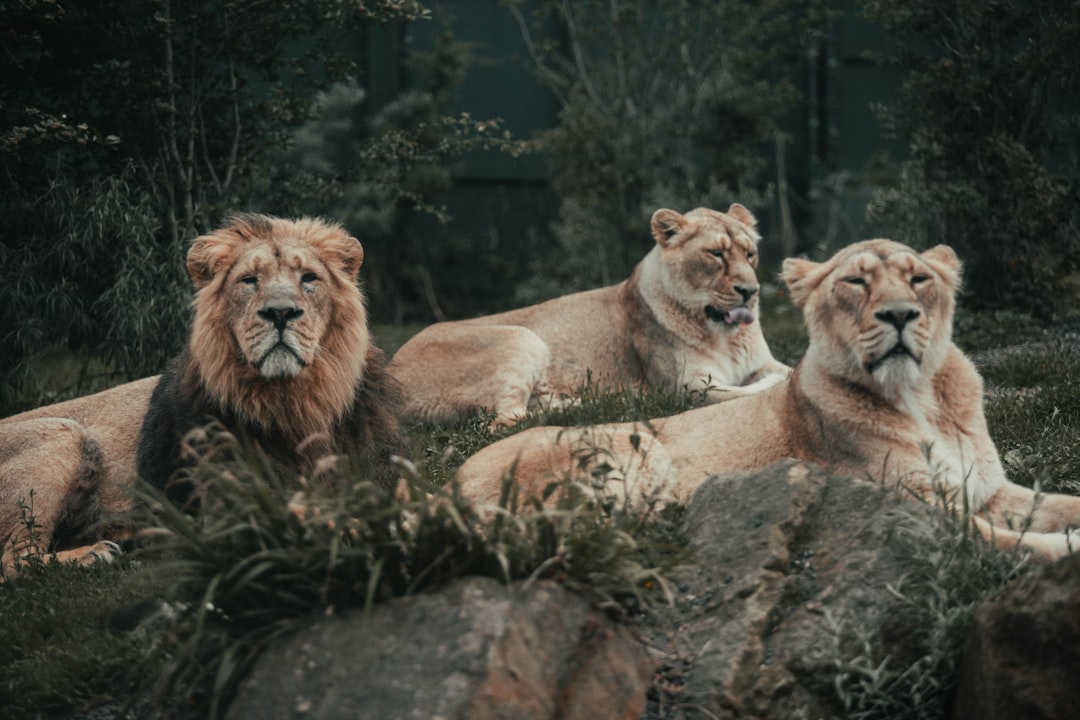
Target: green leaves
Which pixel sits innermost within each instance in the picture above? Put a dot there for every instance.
(129, 128)
(663, 105)
(985, 114)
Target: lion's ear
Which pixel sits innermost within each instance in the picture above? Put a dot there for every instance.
(352, 256)
(945, 261)
(740, 213)
(801, 277)
(666, 224)
(208, 254)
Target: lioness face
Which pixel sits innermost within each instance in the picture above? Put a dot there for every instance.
(878, 312)
(711, 260)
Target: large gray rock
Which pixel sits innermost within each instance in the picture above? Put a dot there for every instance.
(785, 556)
(783, 559)
(1022, 656)
(474, 650)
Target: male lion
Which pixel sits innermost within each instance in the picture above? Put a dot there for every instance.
(882, 392)
(279, 351)
(685, 317)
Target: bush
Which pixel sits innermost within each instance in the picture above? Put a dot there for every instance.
(126, 129)
(268, 551)
(992, 122)
(86, 270)
(664, 104)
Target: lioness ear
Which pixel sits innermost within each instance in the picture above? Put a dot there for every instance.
(740, 213)
(208, 254)
(945, 261)
(801, 276)
(666, 224)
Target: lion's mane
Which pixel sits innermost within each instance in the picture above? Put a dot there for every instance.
(343, 399)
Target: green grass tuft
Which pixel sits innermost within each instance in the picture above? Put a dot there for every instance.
(56, 651)
(1050, 367)
(267, 552)
(1037, 432)
(977, 331)
(950, 571)
(443, 448)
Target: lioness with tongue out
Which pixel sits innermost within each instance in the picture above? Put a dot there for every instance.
(686, 317)
(882, 394)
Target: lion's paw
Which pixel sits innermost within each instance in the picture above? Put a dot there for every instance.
(105, 551)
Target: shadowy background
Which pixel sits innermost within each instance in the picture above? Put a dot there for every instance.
(491, 155)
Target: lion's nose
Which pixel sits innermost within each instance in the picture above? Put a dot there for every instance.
(747, 291)
(898, 317)
(280, 315)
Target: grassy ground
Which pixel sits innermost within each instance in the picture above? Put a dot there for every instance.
(61, 654)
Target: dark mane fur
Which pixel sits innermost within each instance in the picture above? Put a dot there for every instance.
(369, 433)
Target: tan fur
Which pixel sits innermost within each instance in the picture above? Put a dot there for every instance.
(78, 458)
(914, 419)
(328, 342)
(649, 330)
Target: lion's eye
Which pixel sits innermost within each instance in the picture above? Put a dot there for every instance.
(750, 254)
(249, 280)
(308, 277)
(919, 279)
(717, 252)
(855, 280)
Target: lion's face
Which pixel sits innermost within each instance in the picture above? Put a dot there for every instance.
(278, 306)
(278, 301)
(710, 258)
(878, 313)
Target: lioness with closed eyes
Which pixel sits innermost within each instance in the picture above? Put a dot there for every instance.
(686, 317)
(881, 393)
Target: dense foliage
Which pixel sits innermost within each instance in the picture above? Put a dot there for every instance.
(664, 104)
(990, 111)
(127, 128)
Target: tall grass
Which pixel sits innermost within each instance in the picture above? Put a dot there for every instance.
(267, 552)
(910, 670)
(57, 651)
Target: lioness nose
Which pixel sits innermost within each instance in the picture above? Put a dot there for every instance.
(747, 291)
(280, 315)
(899, 317)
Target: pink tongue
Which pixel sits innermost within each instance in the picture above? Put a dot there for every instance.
(738, 315)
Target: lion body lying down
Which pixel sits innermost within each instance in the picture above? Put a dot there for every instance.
(882, 393)
(685, 317)
(69, 466)
(279, 351)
